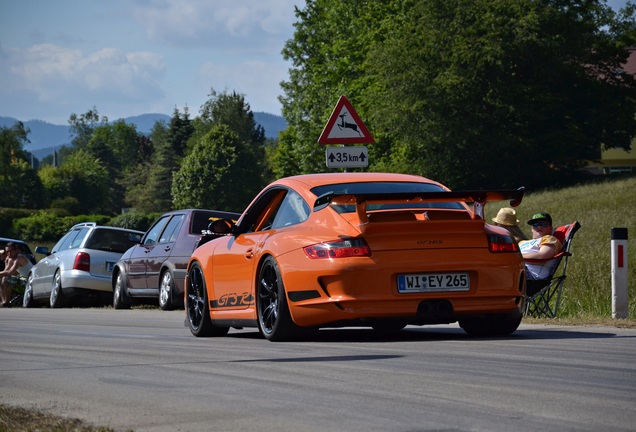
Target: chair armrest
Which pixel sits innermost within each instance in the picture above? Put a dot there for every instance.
(543, 261)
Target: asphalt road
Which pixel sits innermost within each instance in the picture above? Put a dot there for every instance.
(141, 370)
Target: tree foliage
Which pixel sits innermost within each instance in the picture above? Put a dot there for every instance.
(214, 174)
(82, 177)
(21, 187)
(82, 126)
(114, 145)
(153, 178)
(231, 110)
(479, 93)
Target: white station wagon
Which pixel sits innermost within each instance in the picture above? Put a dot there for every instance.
(80, 264)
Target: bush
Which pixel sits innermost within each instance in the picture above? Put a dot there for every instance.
(7, 216)
(69, 205)
(50, 226)
(42, 226)
(135, 220)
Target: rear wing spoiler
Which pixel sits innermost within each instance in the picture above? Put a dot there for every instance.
(478, 198)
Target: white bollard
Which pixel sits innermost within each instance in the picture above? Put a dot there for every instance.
(619, 273)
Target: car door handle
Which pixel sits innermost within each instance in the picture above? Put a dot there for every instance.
(166, 249)
(249, 253)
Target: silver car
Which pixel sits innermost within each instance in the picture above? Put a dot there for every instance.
(80, 264)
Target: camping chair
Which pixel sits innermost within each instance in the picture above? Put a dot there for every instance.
(18, 284)
(543, 296)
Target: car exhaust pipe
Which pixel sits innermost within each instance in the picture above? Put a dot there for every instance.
(435, 309)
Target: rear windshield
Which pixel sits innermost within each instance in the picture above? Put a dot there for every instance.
(110, 240)
(385, 187)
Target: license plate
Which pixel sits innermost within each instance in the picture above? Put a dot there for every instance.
(433, 282)
(110, 266)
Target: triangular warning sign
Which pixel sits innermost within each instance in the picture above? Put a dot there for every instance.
(344, 126)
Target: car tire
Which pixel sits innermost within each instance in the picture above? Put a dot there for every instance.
(166, 289)
(491, 325)
(274, 320)
(57, 299)
(197, 305)
(27, 300)
(121, 299)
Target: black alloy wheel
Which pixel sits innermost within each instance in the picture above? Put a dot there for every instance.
(197, 309)
(274, 319)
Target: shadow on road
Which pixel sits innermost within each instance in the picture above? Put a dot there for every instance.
(434, 333)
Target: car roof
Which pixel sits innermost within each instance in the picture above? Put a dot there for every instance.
(94, 225)
(189, 210)
(7, 240)
(312, 180)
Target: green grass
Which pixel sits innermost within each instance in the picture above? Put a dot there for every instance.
(599, 207)
(28, 420)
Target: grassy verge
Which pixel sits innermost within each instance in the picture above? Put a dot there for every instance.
(600, 206)
(20, 419)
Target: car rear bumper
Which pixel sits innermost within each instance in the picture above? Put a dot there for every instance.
(359, 289)
(73, 280)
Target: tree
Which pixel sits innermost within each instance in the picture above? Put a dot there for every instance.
(504, 92)
(231, 110)
(82, 177)
(135, 178)
(83, 126)
(19, 183)
(169, 145)
(329, 54)
(215, 173)
(115, 145)
(472, 93)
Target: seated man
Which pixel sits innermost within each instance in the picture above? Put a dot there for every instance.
(15, 265)
(543, 246)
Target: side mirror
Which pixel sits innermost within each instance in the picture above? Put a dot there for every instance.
(135, 238)
(42, 250)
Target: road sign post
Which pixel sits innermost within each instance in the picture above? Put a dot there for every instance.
(620, 306)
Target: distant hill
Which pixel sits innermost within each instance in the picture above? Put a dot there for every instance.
(46, 137)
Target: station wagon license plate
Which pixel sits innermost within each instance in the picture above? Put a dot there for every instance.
(433, 282)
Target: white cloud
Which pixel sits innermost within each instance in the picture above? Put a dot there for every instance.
(129, 57)
(52, 72)
(222, 24)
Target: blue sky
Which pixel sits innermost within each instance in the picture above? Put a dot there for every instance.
(131, 57)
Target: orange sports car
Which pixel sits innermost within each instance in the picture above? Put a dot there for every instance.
(357, 249)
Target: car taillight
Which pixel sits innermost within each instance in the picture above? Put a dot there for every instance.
(339, 249)
(82, 262)
(497, 243)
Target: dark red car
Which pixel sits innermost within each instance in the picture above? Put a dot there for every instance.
(156, 267)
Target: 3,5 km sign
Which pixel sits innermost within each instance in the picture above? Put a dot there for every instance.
(347, 157)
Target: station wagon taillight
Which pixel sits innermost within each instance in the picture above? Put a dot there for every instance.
(499, 243)
(82, 262)
(339, 249)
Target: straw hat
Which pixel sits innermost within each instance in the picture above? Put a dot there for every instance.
(507, 217)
